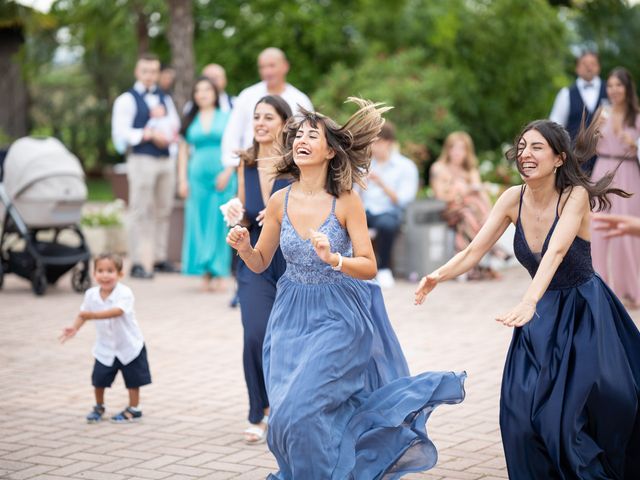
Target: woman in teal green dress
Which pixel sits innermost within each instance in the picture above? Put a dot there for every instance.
(204, 187)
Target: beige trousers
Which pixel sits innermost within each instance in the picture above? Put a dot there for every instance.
(151, 193)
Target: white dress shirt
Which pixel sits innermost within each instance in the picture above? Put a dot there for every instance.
(238, 134)
(118, 336)
(400, 175)
(590, 93)
(124, 112)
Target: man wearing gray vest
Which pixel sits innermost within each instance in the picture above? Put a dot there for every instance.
(150, 168)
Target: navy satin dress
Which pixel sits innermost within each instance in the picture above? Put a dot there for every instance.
(571, 384)
(257, 293)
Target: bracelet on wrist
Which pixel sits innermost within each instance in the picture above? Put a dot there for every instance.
(338, 267)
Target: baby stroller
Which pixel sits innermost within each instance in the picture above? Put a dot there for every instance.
(42, 191)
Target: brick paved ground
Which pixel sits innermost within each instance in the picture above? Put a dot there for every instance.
(195, 410)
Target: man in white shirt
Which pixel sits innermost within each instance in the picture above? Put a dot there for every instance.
(392, 184)
(150, 168)
(585, 95)
(273, 68)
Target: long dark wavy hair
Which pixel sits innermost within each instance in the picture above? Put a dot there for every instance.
(194, 109)
(630, 96)
(351, 143)
(282, 108)
(570, 173)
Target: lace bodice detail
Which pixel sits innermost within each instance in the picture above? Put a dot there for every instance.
(576, 267)
(303, 264)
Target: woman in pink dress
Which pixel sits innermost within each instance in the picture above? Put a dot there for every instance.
(617, 259)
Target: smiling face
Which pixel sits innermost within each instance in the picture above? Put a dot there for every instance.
(267, 124)
(616, 91)
(310, 146)
(106, 274)
(536, 158)
(204, 94)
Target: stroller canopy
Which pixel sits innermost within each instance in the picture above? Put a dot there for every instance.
(32, 159)
(45, 183)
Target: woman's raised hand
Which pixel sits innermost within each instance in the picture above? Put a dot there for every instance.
(238, 238)
(425, 286)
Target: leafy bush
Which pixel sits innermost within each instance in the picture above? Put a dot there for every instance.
(423, 109)
(109, 215)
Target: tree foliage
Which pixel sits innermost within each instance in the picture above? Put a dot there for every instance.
(487, 66)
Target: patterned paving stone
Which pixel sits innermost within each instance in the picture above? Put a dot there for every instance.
(196, 408)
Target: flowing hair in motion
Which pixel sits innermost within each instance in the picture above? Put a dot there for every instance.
(351, 143)
(570, 173)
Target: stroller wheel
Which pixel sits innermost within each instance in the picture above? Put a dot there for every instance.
(38, 282)
(80, 280)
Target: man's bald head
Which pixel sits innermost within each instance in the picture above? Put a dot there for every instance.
(273, 68)
(217, 75)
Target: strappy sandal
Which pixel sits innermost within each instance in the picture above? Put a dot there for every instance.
(259, 434)
(96, 414)
(127, 415)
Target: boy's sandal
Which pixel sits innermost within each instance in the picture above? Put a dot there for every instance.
(96, 414)
(255, 434)
(127, 415)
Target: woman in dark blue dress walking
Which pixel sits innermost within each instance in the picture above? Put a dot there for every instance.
(569, 407)
(257, 181)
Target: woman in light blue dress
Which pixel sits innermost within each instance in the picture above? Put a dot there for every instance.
(343, 405)
(204, 251)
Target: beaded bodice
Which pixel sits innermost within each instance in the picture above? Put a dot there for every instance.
(303, 264)
(576, 267)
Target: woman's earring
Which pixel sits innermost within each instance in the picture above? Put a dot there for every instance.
(555, 169)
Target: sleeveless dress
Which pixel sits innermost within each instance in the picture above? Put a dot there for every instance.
(343, 405)
(617, 259)
(570, 389)
(204, 247)
(257, 292)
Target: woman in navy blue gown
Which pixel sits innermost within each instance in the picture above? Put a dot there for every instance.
(257, 181)
(343, 405)
(570, 388)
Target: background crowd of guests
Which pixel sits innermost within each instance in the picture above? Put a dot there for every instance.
(217, 128)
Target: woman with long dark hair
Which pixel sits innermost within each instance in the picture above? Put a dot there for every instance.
(569, 406)
(617, 260)
(342, 402)
(204, 251)
(257, 181)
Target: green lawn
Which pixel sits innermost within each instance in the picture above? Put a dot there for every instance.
(99, 190)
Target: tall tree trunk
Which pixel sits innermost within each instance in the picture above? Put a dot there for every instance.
(181, 42)
(142, 29)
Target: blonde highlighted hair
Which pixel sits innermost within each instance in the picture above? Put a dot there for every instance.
(351, 143)
(470, 161)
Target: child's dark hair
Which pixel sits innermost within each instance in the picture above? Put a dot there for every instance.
(113, 257)
(351, 143)
(570, 173)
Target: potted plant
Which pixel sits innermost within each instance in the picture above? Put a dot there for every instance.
(103, 227)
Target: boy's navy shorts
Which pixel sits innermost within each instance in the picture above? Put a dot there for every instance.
(135, 374)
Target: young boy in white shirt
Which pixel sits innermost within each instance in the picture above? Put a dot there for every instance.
(119, 344)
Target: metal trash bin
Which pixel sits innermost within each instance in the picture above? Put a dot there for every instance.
(426, 241)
